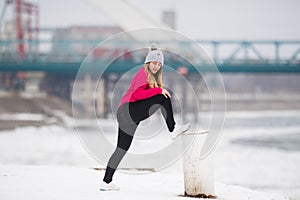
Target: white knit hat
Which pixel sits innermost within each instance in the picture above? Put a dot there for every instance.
(155, 56)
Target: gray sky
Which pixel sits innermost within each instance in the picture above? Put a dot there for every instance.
(198, 19)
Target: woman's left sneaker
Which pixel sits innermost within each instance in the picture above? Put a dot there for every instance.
(109, 187)
(179, 129)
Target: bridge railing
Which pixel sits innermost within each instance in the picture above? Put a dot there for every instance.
(260, 51)
(224, 53)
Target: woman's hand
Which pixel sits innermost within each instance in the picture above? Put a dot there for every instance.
(166, 93)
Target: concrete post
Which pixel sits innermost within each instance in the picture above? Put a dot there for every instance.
(198, 173)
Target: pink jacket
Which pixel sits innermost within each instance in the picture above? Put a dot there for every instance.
(139, 88)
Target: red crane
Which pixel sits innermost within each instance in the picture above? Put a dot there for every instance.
(30, 10)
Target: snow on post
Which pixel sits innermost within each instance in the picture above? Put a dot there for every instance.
(198, 173)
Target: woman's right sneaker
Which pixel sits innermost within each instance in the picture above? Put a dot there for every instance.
(109, 187)
(179, 129)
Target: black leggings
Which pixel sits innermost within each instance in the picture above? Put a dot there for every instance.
(129, 115)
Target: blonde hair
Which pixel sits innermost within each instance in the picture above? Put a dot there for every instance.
(154, 80)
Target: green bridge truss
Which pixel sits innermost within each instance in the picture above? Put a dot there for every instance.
(229, 56)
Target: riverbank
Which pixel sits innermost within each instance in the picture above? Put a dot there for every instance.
(40, 110)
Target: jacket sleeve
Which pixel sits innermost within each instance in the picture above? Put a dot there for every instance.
(142, 93)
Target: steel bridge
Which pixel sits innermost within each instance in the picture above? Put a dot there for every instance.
(66, 55)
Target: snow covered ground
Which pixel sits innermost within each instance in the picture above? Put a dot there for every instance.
(259, 150)
(53, 182)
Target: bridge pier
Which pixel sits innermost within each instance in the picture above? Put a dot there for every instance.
(100, 99)
(94, 98)
(88, 95)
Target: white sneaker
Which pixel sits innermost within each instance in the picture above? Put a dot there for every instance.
(109, 187)
(179, 129)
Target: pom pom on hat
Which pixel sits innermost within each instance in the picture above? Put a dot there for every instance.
(153, 46)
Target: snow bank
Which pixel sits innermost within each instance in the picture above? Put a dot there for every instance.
(22, 117)
(55, 182)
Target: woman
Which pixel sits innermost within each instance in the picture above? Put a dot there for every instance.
(144, 96)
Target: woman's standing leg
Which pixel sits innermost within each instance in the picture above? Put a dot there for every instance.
(125, 136)
(124, 142)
